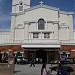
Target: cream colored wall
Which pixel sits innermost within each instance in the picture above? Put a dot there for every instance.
(33, 26)
(57, 34)
(64, 34)
(66, 31)
(64, 18)
(74, 35)
(50, 27)
(46, 14)
(4, 37)
(15, 5)
(35, 15)
(19, 34)
(71, 27)
(14, 2)
(29, 19)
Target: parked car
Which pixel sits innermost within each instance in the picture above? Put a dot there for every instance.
(54, 62)
(21, 60)
(72, 60)
(68, 61)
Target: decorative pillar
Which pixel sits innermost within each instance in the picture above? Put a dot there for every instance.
(56, 55)
(47, 57)
(10, 52)
(0, 56)
(26, 54)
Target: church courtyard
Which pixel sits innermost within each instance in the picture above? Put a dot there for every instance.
(27, 70)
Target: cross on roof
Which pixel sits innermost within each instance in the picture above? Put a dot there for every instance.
(41, 2)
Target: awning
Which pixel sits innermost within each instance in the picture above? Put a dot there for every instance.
(40, 46)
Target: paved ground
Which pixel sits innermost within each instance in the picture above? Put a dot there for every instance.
(27, 70)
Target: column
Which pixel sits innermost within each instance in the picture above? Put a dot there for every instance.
(72, 54)
(10, 52)
(0, 56)
(56, 55)
(47, 57)
(26, 54)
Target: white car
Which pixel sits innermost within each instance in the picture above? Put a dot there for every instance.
(21, 60)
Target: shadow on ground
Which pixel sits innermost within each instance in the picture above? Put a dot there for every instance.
(16, 71)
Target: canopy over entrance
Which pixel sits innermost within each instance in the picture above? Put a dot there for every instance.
(41, 45)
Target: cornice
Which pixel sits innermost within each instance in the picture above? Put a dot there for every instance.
(41, 6)
(54, 22)
(68, 44)
(26, 22)
(17, 14)
(66, 13)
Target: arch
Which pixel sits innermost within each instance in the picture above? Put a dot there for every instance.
(21, 3)
(41, 24)
(20, 6)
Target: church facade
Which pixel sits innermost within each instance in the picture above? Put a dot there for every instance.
(40, 31)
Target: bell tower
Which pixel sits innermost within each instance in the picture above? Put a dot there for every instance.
(20, 5)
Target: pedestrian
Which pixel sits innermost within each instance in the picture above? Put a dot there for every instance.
(62, 70)
(32, 63)
(59, 68)
(43, 70)
(37, 60)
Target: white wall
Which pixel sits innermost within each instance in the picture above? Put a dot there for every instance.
(4, 36)
(74, 35)
(66, 27)
(35, 15)
(53, 19)
(15, 5)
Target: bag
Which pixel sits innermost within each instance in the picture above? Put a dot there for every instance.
(48, 73)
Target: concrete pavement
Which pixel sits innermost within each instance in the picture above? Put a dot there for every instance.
(27, 70)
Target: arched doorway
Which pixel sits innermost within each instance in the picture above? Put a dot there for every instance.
(42, 54)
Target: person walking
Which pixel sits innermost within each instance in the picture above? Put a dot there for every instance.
(43, 70)
(62, 70)
(32, 63)
(59, 65)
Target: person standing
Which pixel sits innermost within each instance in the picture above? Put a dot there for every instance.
(43, 70)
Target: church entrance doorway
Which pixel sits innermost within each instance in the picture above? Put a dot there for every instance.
(41, 55)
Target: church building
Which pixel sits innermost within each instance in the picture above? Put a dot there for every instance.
(40, 31)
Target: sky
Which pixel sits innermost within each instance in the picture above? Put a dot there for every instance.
(6, 8)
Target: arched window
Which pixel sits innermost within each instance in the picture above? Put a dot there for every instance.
(20, 3)
(20, 6)
(41, 24)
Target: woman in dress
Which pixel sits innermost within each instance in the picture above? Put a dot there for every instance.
(43, 70)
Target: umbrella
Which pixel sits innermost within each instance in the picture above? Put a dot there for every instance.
(69, 69)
